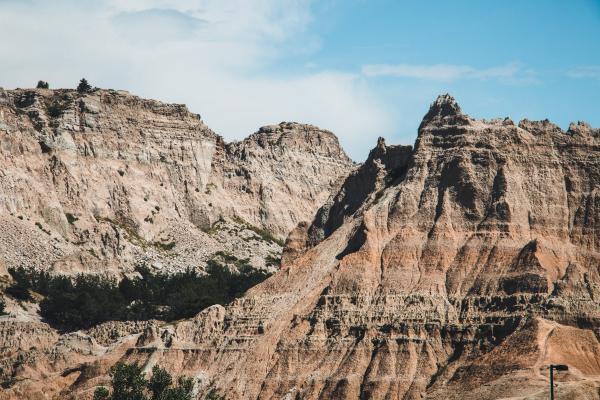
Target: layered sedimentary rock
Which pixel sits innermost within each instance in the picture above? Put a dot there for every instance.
(457, 269)
(100, 181)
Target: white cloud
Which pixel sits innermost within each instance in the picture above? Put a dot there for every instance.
(589, 71)
(508, 73)
(215, 56)
(222, 59)
(157, 25)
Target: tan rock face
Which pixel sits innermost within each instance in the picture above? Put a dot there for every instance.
(97, 182)
(458, 269)
(451, 270)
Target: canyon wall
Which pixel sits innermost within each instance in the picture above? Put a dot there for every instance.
(459, 268)
(98, 182)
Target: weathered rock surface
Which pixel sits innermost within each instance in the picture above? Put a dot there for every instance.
(457, 269)
(100, 181)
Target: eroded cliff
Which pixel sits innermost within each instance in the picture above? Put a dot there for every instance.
(459, 268)
(98, 182)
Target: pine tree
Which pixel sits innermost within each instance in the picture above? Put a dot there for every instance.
(84, 86)
(43, 85)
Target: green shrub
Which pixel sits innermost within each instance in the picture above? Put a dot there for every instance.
(101, 393)
(213, 395)
(241, 264)
(271, 260)
(43, 85)
(71, 219)
(262, 233)
(164, 246)
(56, 107)
(55, 110)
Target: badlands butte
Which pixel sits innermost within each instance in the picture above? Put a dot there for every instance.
(457, 268)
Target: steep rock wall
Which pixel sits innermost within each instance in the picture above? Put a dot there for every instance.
(96, 182)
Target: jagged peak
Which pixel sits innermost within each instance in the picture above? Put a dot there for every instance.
(579, 125)
(378, 150)
(582, 128)
(388, 154)
(445, 105)
(541, 125)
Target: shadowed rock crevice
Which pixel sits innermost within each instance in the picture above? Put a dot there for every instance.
(525, 274)
(355, 243)
(386, 165)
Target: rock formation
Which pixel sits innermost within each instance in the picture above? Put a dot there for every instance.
(97, 182)
(457, 269)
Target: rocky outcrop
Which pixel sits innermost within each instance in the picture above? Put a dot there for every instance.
(445, 280)
(457, 269)
(384, 166)
(97, 182)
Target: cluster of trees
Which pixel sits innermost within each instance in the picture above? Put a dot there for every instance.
(129, 383)
(82, 87)
(80, 302)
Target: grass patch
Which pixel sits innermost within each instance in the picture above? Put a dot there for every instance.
(273, 261)
(214, 228)
(242, 264)
(164, 246)
(209, 188)
(134, 237)
(262, 233)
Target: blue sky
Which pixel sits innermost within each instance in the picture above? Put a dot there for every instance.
(360, 68)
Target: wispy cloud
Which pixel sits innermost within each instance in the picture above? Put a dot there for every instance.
(589, 71)
(157, 25)
(509, 73)
(216, 56)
